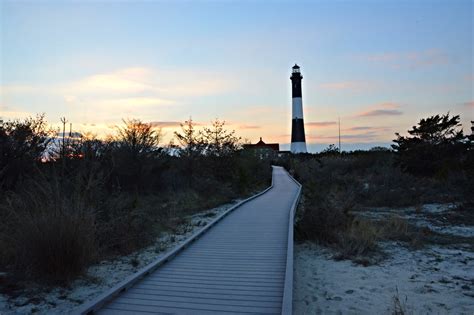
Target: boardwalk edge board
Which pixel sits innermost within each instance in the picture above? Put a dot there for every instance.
(97, 303)
(287, 303)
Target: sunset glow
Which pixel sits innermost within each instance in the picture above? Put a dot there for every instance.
(379, 67)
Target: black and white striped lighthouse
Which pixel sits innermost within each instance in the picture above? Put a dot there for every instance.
(298, 142)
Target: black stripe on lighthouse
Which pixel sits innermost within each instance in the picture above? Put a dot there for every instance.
(297, 130)
(296, 87)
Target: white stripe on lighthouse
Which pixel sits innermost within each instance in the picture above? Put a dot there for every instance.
(297, 108)
(298, 147)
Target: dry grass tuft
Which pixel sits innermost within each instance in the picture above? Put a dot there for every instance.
(358, 241)
(48, 235)
(399, 306)
(395, 228)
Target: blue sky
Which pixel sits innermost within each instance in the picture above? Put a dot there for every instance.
(380, 66)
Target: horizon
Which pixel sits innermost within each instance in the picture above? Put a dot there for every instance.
(380, 67)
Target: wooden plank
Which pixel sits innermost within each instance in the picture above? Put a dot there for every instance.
(215, 291)
(220, 296)
(151, 306)
(239, 266)
(210, 300)
(215, 286)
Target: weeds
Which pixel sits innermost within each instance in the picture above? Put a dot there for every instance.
(399, 306)
(95, 199)
(359, 240)
(48, 235)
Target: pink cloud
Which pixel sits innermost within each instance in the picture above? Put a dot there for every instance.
(347, 85)
(411, 60)
(365, 137)
(164, 124)
(249, 127)
(381, 112)
(360, 128)
(469, 104)
(383, 109)
(321, 123)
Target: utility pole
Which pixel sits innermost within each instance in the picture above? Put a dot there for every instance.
(63, 147)
(339, 135)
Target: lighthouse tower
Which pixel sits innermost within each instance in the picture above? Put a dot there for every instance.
(298, 142)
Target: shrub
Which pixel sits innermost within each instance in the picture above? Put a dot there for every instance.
(22, 145)
(358, 241)
(125, 223)
(323, 219)
(47, 234)
(101, 198)
(395, 228)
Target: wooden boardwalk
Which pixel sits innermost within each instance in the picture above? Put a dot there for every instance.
(238, 266)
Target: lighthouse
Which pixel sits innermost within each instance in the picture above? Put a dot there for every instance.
(298, 142)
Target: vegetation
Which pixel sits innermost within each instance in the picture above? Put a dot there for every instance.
(433, 165)
(66, 204)
(435, 148)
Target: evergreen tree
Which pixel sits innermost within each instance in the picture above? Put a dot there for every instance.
(434, 148)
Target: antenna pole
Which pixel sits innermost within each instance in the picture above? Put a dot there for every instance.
(63, 146)
(339, 134)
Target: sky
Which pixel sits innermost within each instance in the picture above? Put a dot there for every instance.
(379, 66)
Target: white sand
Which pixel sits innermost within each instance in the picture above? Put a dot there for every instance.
(432, 280)
(429, 281)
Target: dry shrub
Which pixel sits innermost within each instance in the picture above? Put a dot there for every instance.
(358, 242)
(324, 217)
(46, 234)
(125, 223)
(395, 228)
(399, 305)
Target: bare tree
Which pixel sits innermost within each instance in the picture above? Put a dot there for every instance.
(190, 140)
(219, 141)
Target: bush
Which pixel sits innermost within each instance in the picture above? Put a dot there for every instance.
(324, 218)
(336, 185)
(22, 145)
(46, 234)
(125, 223)
(358, 241)
(100, 198)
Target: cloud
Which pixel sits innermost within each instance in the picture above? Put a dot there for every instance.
(410, 60)
(367, 129)
(133, 102)
(175, 83)
(321, 123)
(347, 85)
(248, 127)
(383, 109)
(364, 137)
(18, 89)
(165, 124)
(8, 113)
(381, 112)
(383, 57)
(360, 128)
(469, 104)
(111, 82)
